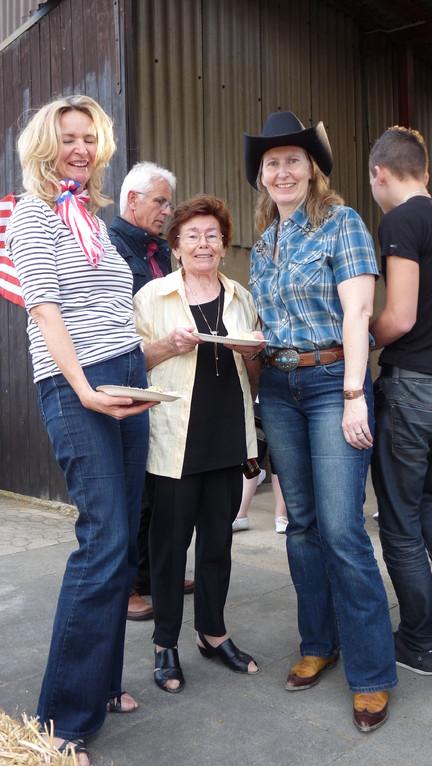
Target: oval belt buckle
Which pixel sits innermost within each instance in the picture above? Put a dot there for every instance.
(287, 359)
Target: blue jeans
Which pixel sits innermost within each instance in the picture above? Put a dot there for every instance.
(341, 598)
(104, 465)
(402, 478)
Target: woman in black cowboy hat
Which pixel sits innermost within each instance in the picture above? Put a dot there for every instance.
(312, 278)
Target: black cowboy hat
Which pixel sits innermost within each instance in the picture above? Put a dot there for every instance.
(285, 129)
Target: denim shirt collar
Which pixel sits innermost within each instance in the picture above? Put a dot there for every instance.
(299, 219)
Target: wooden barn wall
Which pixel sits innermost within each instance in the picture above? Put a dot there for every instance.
(71, 50)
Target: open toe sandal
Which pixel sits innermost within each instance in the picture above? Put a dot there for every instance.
(167, 668)
(76, 746)
(229, 654)
(114, 705)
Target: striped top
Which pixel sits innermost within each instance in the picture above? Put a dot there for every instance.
(96, 303)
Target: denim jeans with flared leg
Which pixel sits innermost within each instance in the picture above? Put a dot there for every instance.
(342, 603)
(103, 460)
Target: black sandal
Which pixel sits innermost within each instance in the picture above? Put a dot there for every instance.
(114, 705)
(231, 656)
(167, 668)
(76, 746)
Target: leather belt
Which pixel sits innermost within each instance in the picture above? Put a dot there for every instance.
(288, 359)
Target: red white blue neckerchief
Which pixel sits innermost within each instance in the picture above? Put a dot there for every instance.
(71, 209)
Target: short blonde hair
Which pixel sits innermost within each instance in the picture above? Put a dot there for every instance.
(39, 146)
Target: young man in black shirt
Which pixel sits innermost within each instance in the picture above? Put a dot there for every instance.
(402, 457)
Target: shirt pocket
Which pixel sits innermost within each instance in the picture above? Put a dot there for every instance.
(305, 268)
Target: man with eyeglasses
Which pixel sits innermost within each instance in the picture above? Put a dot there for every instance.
(145, 204)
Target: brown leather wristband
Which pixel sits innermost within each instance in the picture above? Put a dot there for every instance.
(353, 394)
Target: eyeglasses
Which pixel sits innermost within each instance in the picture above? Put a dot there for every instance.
(211, 237)
(161, 201)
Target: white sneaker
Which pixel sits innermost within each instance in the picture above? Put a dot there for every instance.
(281, 523)
(239, 525)
(262, 476)
(376, 516)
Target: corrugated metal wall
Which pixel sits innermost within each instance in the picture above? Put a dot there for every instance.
(71, 49)
(423, 101)
(14, 13)
(206, 72)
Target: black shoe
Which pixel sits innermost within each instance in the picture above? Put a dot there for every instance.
(417, 662)
(167, 668)
(231, 656)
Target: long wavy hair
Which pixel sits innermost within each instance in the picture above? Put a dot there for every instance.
(319, 199)
(39, 148)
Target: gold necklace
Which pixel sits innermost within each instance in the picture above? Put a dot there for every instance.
(212, 332)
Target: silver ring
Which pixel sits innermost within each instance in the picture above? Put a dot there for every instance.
(357, 433)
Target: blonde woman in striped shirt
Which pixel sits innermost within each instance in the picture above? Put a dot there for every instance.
(78, 295)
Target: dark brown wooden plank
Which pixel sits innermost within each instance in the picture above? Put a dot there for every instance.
(66, 53)
(78, 41)
(5, 411)
(90, 34)
(45, 60)
(3, 189)
(35, 81)
(55, 52)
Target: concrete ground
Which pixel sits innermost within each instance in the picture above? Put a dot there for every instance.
(221, 718)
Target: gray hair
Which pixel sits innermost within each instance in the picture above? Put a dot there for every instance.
(141, 179)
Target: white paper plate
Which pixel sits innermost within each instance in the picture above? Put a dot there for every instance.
(229, 339)
(139, 394)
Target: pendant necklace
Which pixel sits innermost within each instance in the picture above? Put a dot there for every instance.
(212, 332)
(277, 238)
(276, 244)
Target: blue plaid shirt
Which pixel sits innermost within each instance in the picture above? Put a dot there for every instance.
(297, 298)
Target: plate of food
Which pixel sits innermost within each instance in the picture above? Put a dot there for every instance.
(242, 339)
(151, 394)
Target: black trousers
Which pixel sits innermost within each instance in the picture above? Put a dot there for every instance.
(142, 582)
(210, 502)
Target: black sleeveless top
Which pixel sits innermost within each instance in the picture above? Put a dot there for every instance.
(216, 435)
